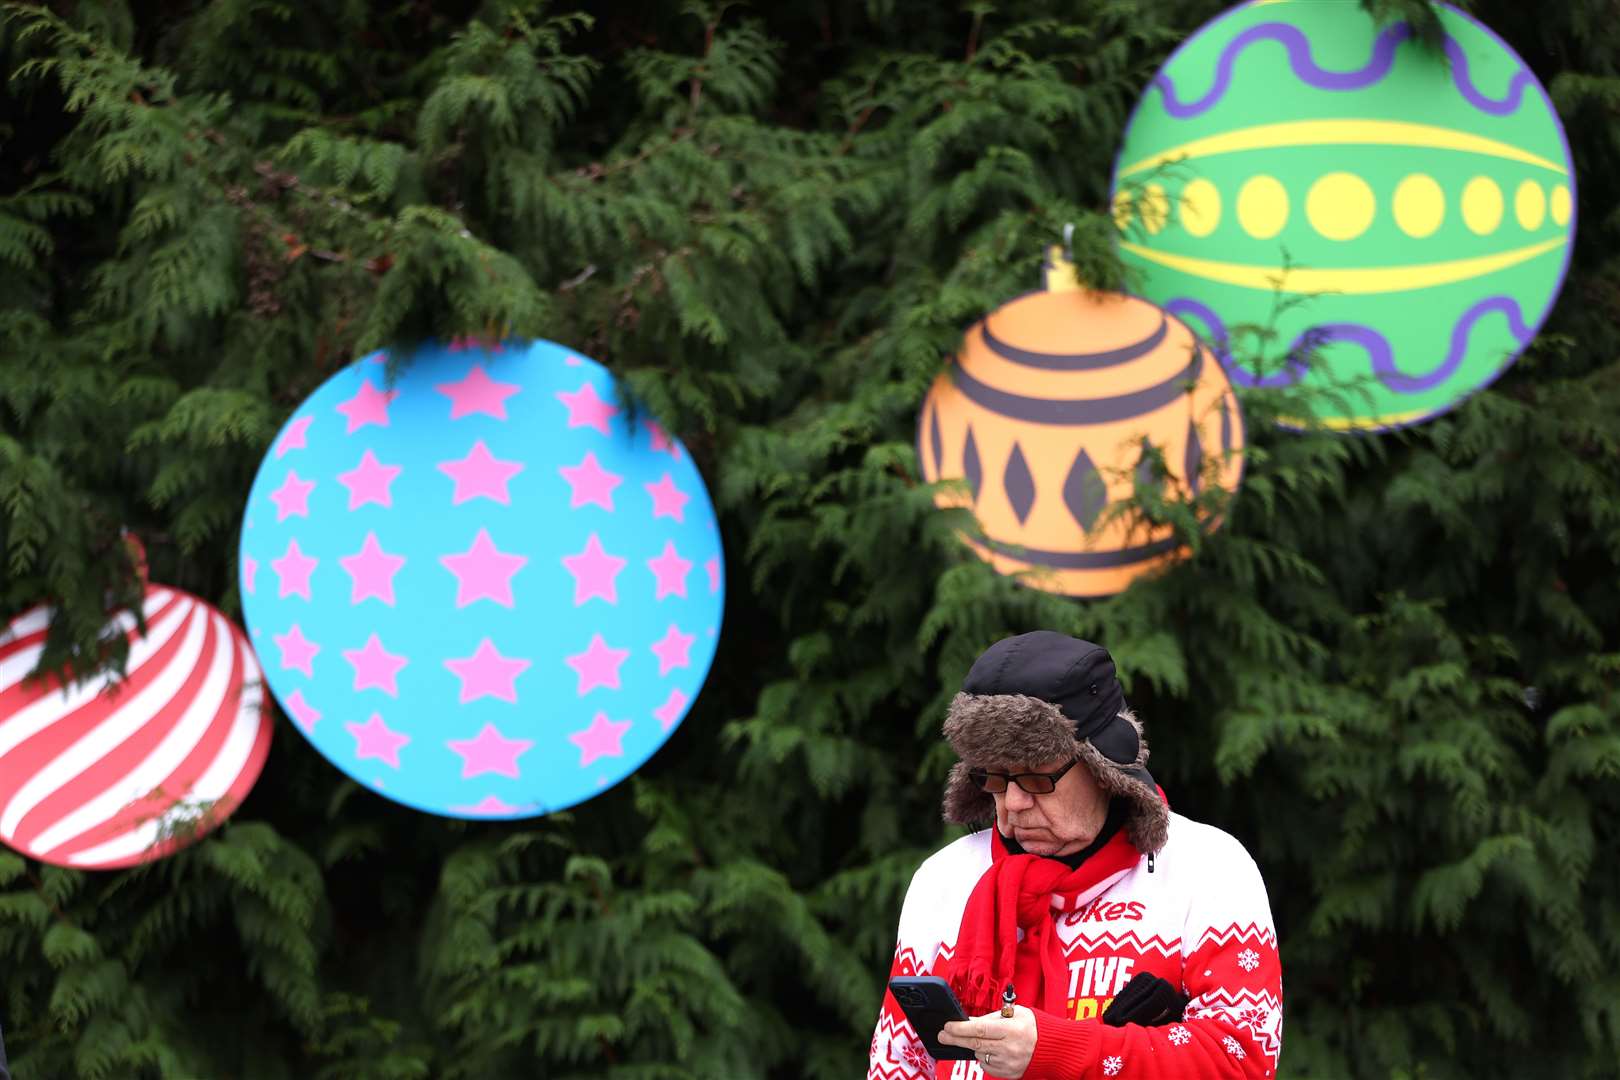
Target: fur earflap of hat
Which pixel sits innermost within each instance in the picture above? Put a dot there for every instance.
(1007, 731)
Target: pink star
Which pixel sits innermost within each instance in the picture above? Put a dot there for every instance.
(590, 483)
(489, 805)
(661, 442)
(250, 568)
(375, 668)
(296, 650)
(673, 649)
(671, 570)
(375, 739)
(302, 711)
(713, 567)
(369, 481)
(293, 437)
(670, 711)
(369, 406)
(292, 497)
(477, 393)
(373, 571)
(482, 572)
(293, 570)
(480, 473)
(604, 738)
(490, 751)
(595, 572)
(486, 673)
(668, 500)
(585, 409)
(598, 665)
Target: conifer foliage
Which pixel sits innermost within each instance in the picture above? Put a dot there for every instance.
(1392, 673)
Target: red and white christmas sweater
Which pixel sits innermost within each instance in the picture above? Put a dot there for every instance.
(1199, 918)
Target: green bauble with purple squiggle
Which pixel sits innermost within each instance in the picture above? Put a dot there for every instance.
(1398, 219)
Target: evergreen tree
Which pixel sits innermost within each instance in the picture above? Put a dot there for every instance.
(1391, 673)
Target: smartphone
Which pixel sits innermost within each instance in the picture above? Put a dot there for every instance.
(928, 1003)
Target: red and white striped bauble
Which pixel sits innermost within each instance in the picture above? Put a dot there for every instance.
(98, 776)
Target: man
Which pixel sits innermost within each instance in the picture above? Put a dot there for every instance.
(1086, 890)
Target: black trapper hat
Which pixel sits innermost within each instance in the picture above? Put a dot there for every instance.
(1041, 696)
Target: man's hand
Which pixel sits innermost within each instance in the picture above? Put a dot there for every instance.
(1147, 1000)
(1003, 1045)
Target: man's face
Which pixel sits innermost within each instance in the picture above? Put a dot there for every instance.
(1059, 823)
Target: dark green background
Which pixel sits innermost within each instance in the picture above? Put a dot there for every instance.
(774, 223)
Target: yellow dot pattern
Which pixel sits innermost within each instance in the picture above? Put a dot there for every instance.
(1482, 205)
(1530, 205)
(1340, 206)
(1559, 205)
(1155, 208)
(1419, 205)
(1262, 206)
(1200, 207)
(1122, 209)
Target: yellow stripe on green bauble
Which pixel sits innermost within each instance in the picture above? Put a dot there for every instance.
(1343, 205)
(1399, 219)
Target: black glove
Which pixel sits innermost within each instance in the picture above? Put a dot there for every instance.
(1146, 1000)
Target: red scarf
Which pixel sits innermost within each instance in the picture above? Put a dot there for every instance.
(1016, 893)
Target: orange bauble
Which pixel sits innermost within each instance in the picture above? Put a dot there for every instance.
(1045, 411)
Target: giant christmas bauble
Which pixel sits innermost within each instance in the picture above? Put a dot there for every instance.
(484, 590)
(1046, 412)
(98, 775)
(1400, 217)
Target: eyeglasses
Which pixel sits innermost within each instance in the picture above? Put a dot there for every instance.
(1036, 783)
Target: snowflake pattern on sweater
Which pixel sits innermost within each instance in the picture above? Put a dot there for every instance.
(1200, 919)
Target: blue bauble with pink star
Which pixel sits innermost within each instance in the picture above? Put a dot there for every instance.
(487, 588)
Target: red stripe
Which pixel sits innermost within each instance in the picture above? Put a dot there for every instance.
(33, 640)
(27, 641)
(246, 776)
(29, 690)
(254, 763)
(124, 758)
(175, 787)
(39, 750)
(35, 753)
